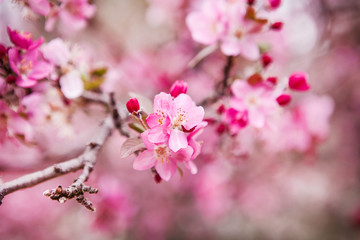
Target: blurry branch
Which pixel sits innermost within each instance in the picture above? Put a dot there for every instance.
(221, 87)
(85, 161)
(201, 55)
(96, 97)
(116, 117)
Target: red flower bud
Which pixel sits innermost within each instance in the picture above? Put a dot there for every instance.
(283, 99)
(272, 80)
(276, 26)
(274, 3)
(298, 82)
(250, 2)
(177, 88)
(266, 60)
(3, 50)
(133, 105)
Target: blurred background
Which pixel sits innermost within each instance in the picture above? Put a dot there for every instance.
(302, 185)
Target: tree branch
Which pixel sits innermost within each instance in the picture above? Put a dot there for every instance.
(85, 161)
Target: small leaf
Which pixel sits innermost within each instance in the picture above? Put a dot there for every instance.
(137, 127)
(93, 83)
(130, 146)
(99, 72)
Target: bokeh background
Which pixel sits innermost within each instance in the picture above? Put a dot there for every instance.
(289, 189)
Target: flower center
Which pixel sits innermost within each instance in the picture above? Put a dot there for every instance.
(179, 119)
(25, 66)
(161, 116)
(162, 154)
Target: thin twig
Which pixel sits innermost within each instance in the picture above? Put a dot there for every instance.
(116, 117)
(85, 161)
(222, 86)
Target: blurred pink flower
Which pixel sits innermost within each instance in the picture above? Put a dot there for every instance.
(41, 7)
(23, 40)
(29, 67)
(256, 100)
(161, 157)
(71, 84)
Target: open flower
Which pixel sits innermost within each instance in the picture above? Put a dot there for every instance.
(28, 66)
(172, 118)
(161, 157)
(23, 40)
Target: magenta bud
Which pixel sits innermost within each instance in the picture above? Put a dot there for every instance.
(298, 82)
(133, 105)
(274, 3)
(3, 50)
(276, 26)
(283, 99)
(250, 2)
(11, 79)
(178, 87)
(221, 128)
(272, 80)
(266, 60)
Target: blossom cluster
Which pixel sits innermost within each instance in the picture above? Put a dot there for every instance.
(171, 137)
(236, 25)
(71, 15)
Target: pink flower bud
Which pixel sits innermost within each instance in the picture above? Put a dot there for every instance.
(177, 88)
(133, 105)
(283, 99)
(274, 3)
(276, 26)
(3, 50)
(266, 60)
(298, 82)
(272, 80)
(250, 2)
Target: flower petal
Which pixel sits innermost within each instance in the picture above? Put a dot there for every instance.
(145, 160)
(177, 140)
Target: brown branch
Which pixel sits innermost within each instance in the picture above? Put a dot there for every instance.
(118, 122)
(221, 87)
(85, 161)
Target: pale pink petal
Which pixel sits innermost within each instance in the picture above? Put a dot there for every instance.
(41, 7)
(40, 70)
(158, 134)
(145, 138)
(163, 103)
(72, 85)
(177, 140)
(25, 82)
(194, 117)
(166, 169)
(145, 160)
(256, 118)
(57, 52)
(191, 166)
(202, 28)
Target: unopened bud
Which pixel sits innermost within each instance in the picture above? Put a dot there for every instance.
(298, 82)
(276, 26)
(2, 50)
(133, 105)
(266, 60)
(250, 2)
(272, 80)
(283, 99)
(178, 87)
(274, 3)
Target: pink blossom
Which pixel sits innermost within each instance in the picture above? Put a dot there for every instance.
(41, 7)
(171, 117)
(28, 66)
(210, 23)
(161, 157)
(57, 52)
(75, 13)
(71, 84)
(235, 119)
(23, 40)
(256, 100)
